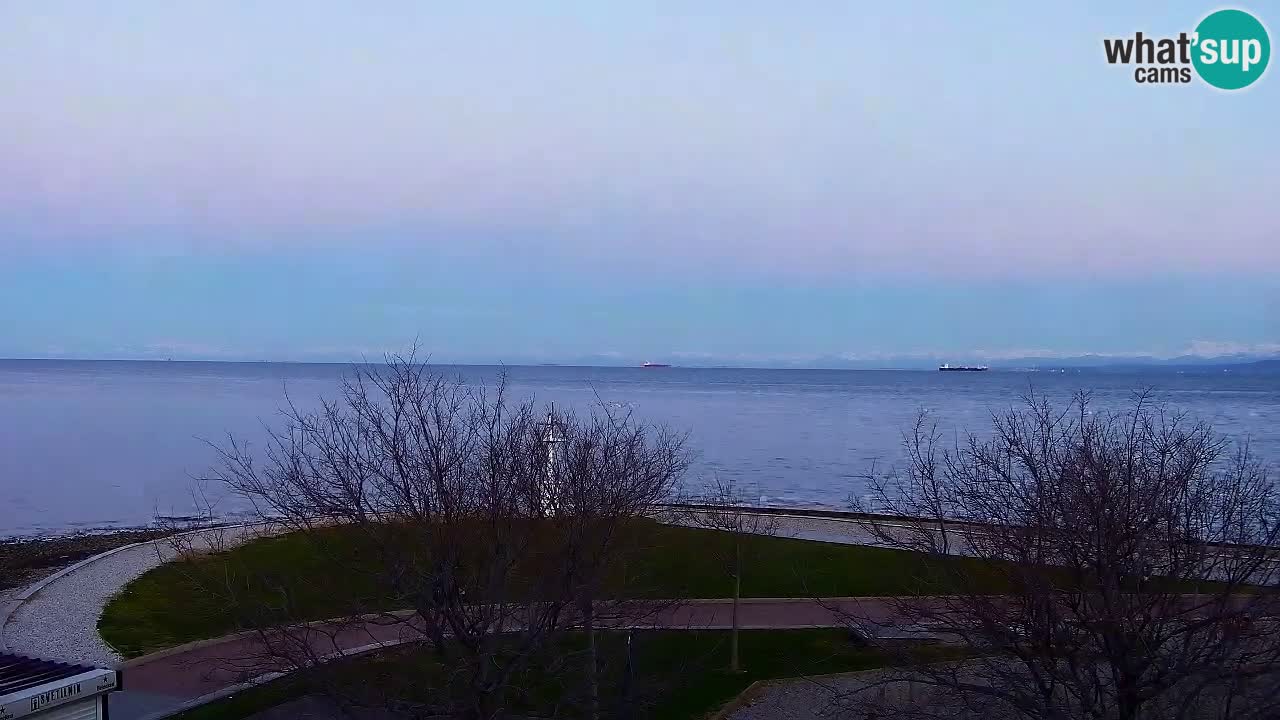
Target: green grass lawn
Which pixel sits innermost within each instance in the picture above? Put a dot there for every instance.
(324, 575)
(676, 675)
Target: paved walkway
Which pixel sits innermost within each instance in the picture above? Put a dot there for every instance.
(193, 674)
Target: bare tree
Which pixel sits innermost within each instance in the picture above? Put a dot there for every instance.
(725, 508)
(451, 516)
(1118, 564)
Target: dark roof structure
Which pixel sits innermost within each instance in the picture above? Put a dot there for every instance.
(18, 672)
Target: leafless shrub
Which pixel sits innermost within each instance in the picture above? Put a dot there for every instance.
(450, 516)
(1121, 566)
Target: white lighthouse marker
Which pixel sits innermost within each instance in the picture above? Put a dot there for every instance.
(552, 436)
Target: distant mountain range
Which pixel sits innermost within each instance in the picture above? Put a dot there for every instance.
(1242, 362)
(1269, 365)
(1236, 363)
(1099, 361)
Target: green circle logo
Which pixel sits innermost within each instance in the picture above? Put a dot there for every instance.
(1231, 49)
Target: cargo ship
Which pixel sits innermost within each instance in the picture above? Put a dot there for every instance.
(962, 368)
(653, 365)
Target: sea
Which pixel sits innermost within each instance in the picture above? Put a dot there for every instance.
(93, 445)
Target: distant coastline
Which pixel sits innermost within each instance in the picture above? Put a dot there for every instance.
(1076, 363)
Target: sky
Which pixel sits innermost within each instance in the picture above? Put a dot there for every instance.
(717, 182)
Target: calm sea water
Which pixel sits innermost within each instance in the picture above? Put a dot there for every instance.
(100, 444)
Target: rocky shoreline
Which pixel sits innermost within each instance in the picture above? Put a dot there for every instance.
(23, 560)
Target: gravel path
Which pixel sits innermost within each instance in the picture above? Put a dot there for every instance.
(796, 700)
(61, 620)
(824, 530)
(831, 696)
(805, 527)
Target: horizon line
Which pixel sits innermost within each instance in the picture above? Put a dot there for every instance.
(1107, 361)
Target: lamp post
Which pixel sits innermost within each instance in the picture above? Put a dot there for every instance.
(625, 700)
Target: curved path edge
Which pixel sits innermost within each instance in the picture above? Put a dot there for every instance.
(11, 608)
(139, 702)
(798, 524)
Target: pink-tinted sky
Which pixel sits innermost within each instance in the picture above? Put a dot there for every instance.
(930, 149)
